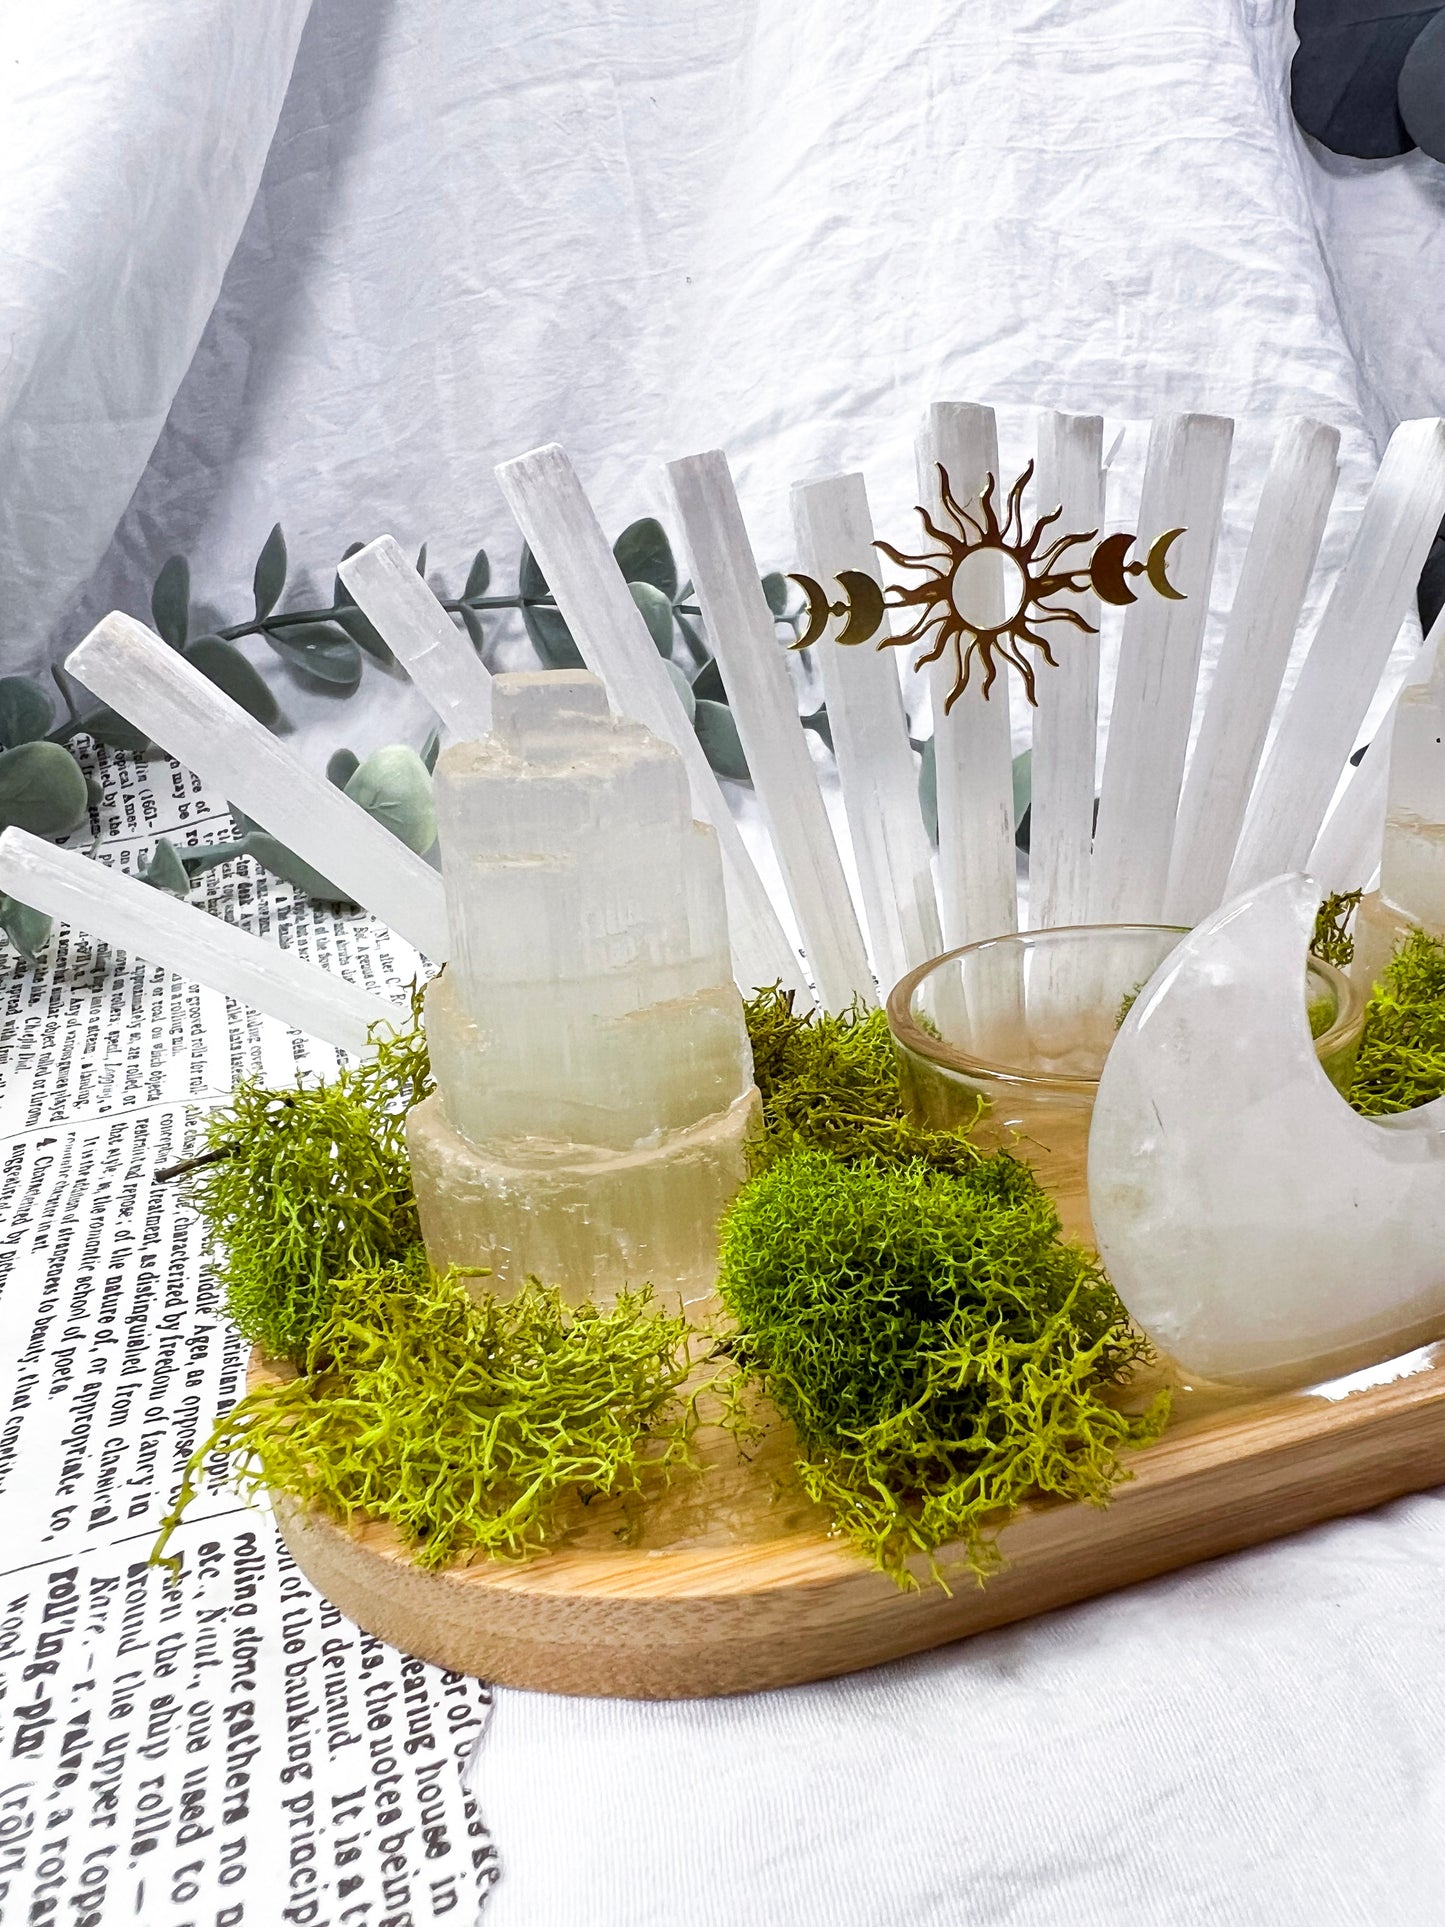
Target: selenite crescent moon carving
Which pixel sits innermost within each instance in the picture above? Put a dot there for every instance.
(1106, 570)
(1156, 565)
(865, 606)
(1256, 1228)
(819, 610)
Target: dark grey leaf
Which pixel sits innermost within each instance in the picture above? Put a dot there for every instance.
(164, 870)
(775, 588)
(656, 612)
(364, 632)
(684, 691)
(223, 664)
(479, 575)
(341, 596)
(644, 554)
(551, 638)
(171, 601)
(1345, 76)
(394, 786)
(928, 791)
(472, 623)
(530, 580)
(320, 650)
(342, 767)
(691, 635)
(106, 725)
(270, 577)
(29, 930)
(1422, 89)
(818, 722)
(42, 789)
(25, 711)
(718, 734)
(430, 750)
(284, 863)
(707, 684)
(421, 561)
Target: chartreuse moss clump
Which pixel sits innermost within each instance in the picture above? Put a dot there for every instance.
(309, 1185)
(469, 1425)
(1401, 1061)
(910, 1306)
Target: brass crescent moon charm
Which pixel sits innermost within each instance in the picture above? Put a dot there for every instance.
(1106, 571)
(865, 606)
(1156, 565)
(819, 610)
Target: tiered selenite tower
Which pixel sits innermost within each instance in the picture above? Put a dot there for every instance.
(594, 1080)
(1412, 860)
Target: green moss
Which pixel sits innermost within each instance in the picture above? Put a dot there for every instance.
(471, 1426)
(831, 1082)
(940, 1350)
(1401, 1061)
(309, 1184)
(1333, 940)
(908, 1303)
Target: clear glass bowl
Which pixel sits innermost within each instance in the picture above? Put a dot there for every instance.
(1006, 1039)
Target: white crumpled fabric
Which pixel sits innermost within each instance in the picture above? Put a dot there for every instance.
(644, 230)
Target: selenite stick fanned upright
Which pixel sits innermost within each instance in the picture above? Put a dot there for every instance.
(422, 636)
(834, 532)
(760, 693)
(551, 508)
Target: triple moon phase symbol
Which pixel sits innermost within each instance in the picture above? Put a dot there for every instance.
(989, 588)
(862, 606)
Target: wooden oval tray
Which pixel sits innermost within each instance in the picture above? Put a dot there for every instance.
(736, 1584)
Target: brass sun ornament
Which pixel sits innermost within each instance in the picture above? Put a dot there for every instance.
(988, 590)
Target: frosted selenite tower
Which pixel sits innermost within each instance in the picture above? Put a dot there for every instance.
(1412, 860)
(594, 1080)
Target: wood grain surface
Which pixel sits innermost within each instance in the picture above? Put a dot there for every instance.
(752, 1593)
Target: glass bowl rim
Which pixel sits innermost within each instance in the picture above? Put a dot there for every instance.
(908, 1035)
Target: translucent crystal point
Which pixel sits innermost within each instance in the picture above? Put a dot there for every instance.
(593, 1070)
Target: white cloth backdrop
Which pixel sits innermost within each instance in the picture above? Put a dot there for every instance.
(644, 230)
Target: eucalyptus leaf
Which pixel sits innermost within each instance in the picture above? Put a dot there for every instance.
(164, 870)
(684, 691)
(644, 554)
(1023, 783)
(430, 750)
(472, 623)
(479, 575)
(200, 857)
(775, 588)
(42, 789)
(171, 601)
(320, 650)
(718, 734)
(684, 592)
(707, 684)
(657, 613)
(25, 712)
(29, 930)
(270, 576)
(394, 786)
(691, 634)
(106, 725)
(341, 596)
(342, 767)
(928, 791)
(223, 664)
(546, 628)
(421, 561)
(364, 632)
(818, 722)
(284, 863)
